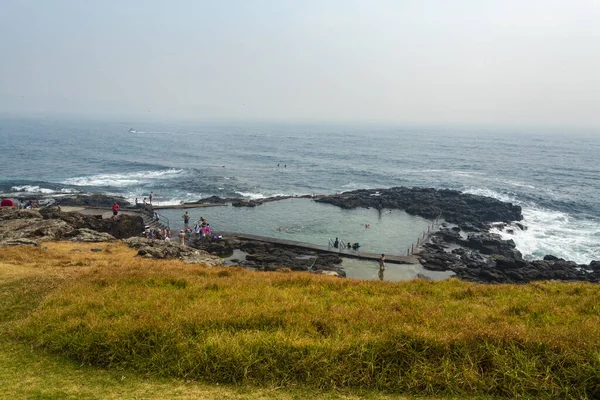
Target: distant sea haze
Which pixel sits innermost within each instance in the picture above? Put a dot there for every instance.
(554, 178)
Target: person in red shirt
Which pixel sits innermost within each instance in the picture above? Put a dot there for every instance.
(115, 209)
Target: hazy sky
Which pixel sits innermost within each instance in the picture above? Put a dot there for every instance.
(521, 62)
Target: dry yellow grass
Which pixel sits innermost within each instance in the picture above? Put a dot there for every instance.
(231, 325)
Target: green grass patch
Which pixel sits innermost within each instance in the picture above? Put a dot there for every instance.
(266, 330)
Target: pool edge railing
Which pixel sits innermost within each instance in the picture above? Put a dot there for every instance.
(424, 236)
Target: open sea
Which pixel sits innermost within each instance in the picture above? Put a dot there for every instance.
(554, 177)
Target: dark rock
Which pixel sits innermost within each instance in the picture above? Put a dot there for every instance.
(521, 226)
(453, 206)
(550, 257)
(275, 257)
(504, 263)
(92, 200)
(449, 236)
(473, 259)
(492, 243)
(212, 200)
(221, 248)
(469, 227)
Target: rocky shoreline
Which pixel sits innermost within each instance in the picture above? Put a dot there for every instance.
(464, 244)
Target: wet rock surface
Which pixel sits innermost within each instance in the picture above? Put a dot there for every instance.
(484, 257)
(273, 257)
(220, 248)
(239, 202)
(451, 205)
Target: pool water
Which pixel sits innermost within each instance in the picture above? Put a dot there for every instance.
(307, 221)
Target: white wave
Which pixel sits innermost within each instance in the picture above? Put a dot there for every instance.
(556, 233)
(447, 172)
(259, 196)
(252, 196)
(491, 193)
(519, 184)
(550, 232)
(32, 189)
(158, 200)
(121, 180)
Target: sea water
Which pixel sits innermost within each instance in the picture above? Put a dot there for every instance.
(553, 176)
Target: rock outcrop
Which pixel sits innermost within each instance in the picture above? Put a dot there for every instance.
(451, 205)
(90, 236)
(122, 227)
(162, 250)
(487, 258)
(50, 224)
(91, 200)
(272, 257)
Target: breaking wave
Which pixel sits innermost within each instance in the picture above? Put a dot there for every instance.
(123, 180)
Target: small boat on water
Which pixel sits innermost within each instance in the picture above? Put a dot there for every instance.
(131, 130)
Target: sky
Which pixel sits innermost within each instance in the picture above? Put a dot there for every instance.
(504, 62)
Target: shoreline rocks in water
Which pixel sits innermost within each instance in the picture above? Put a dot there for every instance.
(486, 258)
(451, 205)
(239, 202)
(469, 249)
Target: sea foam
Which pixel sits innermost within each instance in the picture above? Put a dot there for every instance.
(550, 232)
(123, 180)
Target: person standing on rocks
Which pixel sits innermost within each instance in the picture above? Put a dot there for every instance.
(150, 197)
(115, 209)
(182, 237)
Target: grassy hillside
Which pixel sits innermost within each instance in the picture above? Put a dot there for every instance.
(232, 326)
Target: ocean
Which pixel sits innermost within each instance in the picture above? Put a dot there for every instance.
(554, 177)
